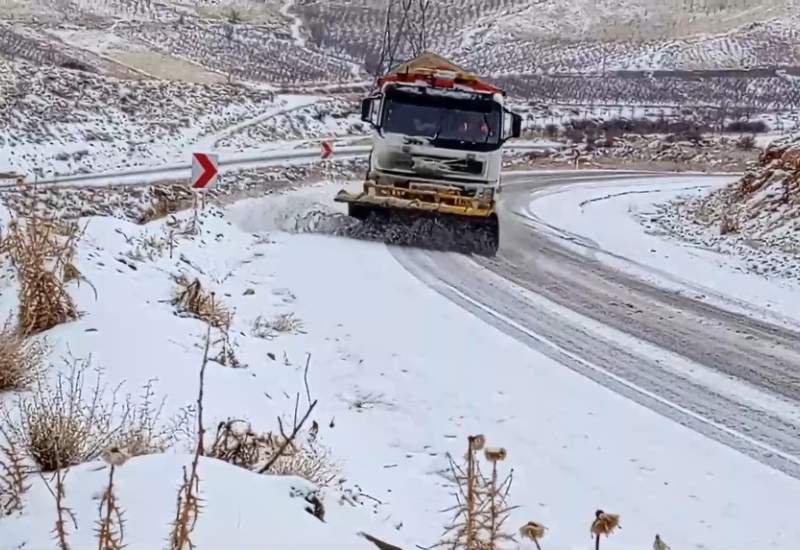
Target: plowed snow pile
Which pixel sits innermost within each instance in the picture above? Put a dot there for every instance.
(756, 216)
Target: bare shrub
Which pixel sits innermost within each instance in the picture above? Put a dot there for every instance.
(746, 143)
(728, 224)
(235, 442)
(163, 203)
(574, 135)
(610, 137)
(692, 135)
(64, 423)
(12, 476)
(752, 127)
(20, 358)
(149, 247)
(285, 323)
(141, 433)
(193, 300)
(39, 250)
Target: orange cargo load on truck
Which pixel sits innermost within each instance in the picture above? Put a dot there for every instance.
(438, 72)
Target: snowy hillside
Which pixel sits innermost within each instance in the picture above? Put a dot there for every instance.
(299, 43)
(580, 35)
(62, 121)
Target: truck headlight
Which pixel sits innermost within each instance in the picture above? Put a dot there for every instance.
(485, 193)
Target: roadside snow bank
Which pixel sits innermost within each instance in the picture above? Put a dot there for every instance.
(240, 509)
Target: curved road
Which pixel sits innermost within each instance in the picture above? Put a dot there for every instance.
(726, 375)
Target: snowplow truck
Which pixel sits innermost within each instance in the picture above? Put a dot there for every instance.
(434, 166)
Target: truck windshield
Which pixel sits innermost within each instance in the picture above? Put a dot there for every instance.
(447, 121)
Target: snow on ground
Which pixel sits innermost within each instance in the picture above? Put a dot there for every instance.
(618, 221)
(241, 509)
(397, 389)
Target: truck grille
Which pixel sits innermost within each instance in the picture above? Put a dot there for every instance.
(430, 164)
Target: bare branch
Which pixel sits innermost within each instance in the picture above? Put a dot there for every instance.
(288, 441)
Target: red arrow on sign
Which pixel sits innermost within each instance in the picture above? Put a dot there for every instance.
(327, 150)
(204, 170)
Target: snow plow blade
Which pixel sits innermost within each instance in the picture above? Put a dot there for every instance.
(425, 216)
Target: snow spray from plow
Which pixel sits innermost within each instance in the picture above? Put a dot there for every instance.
(305, 215)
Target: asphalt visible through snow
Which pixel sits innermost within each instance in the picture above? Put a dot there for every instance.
(604, 323)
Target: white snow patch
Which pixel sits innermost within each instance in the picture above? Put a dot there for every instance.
(240, 509)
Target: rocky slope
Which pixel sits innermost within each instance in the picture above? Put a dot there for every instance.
(764, 204)
(756, 217)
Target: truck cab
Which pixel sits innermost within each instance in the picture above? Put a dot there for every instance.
(440, 127)
(434, 167)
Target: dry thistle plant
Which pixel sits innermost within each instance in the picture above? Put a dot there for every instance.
(13, 475)
(39, 250)
(463, 531)
(481, 509)
(659, 544)
(191, 299)
(21, 359)
(110, 525)
(603, 524)
(533, 531)
(62, 511)
(497, 509)
(64, 423)
(188, 502)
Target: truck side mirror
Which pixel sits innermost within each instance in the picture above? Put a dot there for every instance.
(516, 125)
(366, 110)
